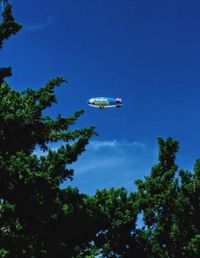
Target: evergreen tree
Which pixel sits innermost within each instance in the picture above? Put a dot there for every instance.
(157, 200)
(119, 236)
(8, 27)
(170, 202)
(37, 218)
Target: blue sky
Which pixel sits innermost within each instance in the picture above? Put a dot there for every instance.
(146, 52)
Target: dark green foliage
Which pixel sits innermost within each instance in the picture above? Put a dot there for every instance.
(157, 199)
(118, 216)
(8, 27)
(37, 218)
(170, 203)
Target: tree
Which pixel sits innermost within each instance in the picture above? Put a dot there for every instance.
(8, 27)
(37, 218)
(119, 236)
(169, 201)
(158, 199)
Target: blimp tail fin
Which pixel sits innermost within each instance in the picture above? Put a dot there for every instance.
(119, 99)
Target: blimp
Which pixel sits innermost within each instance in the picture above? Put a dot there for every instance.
(105, 102)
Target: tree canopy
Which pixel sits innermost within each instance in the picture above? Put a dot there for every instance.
(38, 218)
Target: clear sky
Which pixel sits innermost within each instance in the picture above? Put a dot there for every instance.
(146, 52)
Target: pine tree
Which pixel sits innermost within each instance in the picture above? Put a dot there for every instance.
(169, 201)
(8, 27)
(37, 217)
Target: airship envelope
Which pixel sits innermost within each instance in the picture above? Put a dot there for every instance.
(105, 102)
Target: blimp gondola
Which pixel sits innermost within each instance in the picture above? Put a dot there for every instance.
(105, 102)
